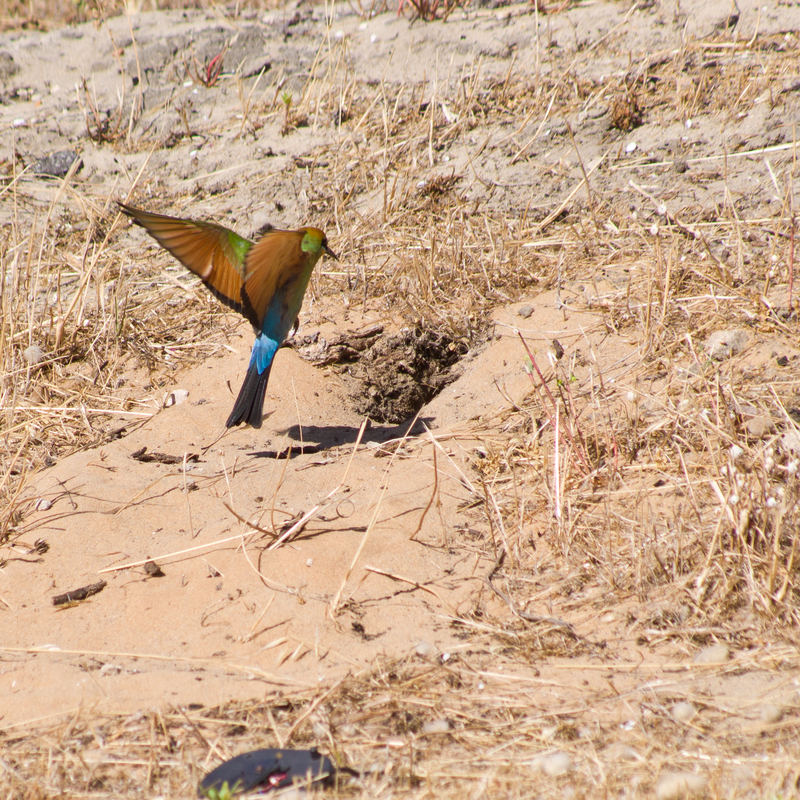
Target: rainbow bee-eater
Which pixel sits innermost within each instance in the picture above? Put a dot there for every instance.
(264, 281)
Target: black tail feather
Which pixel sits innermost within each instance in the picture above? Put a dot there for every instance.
(249, 404)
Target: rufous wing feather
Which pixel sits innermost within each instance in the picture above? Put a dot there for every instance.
(203, 248)
(271, 261)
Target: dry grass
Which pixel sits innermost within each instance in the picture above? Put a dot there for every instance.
(421, 729)
(641, 483)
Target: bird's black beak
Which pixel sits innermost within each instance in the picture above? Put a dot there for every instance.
(330, 252)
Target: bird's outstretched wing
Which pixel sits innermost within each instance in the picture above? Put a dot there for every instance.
(212, 252)
(271, 262)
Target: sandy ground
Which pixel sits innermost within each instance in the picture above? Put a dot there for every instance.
(396, 550)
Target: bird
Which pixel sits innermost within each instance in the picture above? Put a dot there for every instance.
(264, 281)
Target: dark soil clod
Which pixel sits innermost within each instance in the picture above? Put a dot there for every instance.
(399, 374)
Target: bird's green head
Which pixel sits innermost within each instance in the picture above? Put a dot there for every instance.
(315, 242)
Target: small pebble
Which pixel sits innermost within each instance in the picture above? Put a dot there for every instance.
(436, 726)
(771, 713)
(680, 786)
(423, 648)
(553, 764)
(680, 165)
(56, 165)
(760, 427)
(630, 147)
(525, 311)
(622, 752)
(7, 66)
(683, 712)
(175, 397)
(724, 344)
(790, 441)
(96, 756)
(549, 732)
(153, 570)
(715, 654)
(43, 505)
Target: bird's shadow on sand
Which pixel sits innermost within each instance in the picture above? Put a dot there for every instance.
(317, 439)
